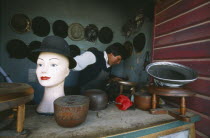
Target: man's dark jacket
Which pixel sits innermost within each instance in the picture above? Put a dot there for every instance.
(93, 70)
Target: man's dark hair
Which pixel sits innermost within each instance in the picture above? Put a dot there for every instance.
(117, 49)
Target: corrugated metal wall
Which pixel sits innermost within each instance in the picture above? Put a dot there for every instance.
(182, 35)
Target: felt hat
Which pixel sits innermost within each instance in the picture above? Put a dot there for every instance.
(20, 23)
(17, 49)
(91, 32)
(105, 35)
(56, 44)
(33, 46)
(60, 28)
(76, 31)
(129, 48)
(40, 26)
(74, 50)
(139, 42)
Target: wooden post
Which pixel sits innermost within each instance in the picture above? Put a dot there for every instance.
(20, 117)
(154, 101)
(183, 106)
(121, 88)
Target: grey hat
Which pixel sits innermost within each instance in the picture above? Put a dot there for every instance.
(58, 45)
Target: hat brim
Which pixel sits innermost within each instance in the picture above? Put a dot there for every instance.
(72, 62)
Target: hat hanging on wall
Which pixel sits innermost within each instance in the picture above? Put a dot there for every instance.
(128, 28)
(32, 46)
(76, 32)
(129, 48)
(139, 18)
(139, 42)
(133, 24)
(40, 26)
(60, 28)
(17, 49)
(105, 35)
(74, 50)
(91, 32)
(20, 23)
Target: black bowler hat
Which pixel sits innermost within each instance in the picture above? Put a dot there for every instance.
(56, 44)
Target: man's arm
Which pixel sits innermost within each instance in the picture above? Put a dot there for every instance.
(83, 60)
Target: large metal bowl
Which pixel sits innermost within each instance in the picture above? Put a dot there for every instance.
(171, 74)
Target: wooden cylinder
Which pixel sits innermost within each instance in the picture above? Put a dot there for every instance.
(142, 101)
(71, 111)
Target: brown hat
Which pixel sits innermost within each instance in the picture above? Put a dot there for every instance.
(76, 31)
(20, 23)
(129, 48)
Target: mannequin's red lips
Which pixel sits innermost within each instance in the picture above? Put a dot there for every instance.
(45, 78)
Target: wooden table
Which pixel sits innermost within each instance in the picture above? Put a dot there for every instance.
(15, 95)
(173, 92)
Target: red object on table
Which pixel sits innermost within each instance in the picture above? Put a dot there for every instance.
(123, 102)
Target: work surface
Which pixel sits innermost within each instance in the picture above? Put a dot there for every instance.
(98, 123)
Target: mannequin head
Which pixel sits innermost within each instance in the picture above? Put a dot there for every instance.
(54, 62)
(52, 69)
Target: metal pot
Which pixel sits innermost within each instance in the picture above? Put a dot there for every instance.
(98, 99)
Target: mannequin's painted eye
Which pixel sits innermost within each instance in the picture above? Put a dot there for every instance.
(40, 65)
(54, 65)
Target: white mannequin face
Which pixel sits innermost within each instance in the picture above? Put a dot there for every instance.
(52, 69)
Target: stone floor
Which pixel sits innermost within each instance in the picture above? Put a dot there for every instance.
(97, 124)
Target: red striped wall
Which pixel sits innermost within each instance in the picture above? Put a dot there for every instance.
(182, 35)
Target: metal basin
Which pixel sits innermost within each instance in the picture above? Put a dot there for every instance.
(171, 74)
